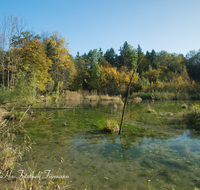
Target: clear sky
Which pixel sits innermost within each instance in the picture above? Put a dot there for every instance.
(171, 25)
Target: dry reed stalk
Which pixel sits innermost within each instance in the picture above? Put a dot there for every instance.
(70, 95)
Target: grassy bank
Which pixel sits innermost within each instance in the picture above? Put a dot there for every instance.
(156, 95)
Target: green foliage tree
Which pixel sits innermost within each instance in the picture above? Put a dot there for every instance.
(153, 59)
(176, 63)
(25, 87)
(94, 69)
(128, 56)
(111, 57)
(143, 61)
(193, 64)
(101, 58)
(81, 78)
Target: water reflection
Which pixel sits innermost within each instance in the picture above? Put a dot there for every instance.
(104, 157)
(169, 157)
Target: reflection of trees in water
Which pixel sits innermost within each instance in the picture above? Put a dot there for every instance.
(129, 140)
(132, 115)
(122, 146)
(192, 134)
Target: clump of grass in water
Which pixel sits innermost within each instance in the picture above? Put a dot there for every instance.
(150, 108)
(111, 126)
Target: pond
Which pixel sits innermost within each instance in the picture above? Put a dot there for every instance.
(156, 147)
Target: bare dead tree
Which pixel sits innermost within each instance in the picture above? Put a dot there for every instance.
(11, 31)
(3, 44)
(9, 28)
(19, 28)
(126, 99)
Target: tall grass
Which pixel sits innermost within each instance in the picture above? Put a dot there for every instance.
(11, 152)
(14, 142)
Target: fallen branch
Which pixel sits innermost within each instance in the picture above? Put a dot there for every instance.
(50, 108)
(3, 122)
(25, 113)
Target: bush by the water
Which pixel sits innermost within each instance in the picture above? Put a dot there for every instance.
(137, 100)
(193, 118)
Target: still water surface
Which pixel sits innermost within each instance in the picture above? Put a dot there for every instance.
(152, 147)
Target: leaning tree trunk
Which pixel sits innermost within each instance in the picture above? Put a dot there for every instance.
(126, 99)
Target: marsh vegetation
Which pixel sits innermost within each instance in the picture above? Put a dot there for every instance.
(152, 146)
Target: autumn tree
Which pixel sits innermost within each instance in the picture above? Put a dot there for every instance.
(63, 68)
(152, 75)
(34, 62)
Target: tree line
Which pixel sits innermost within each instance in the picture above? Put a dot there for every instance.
(44, 64)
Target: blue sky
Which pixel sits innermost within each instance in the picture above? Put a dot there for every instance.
(171, 25)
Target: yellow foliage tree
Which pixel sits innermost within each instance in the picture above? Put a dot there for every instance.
(63, 68)
(114, 81)
(153, 75)
(34, 60)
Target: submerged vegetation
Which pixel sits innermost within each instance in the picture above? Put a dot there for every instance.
(83, 136)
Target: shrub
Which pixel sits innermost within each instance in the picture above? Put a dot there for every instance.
(193, 118)
(137, 99)
(5, 95)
